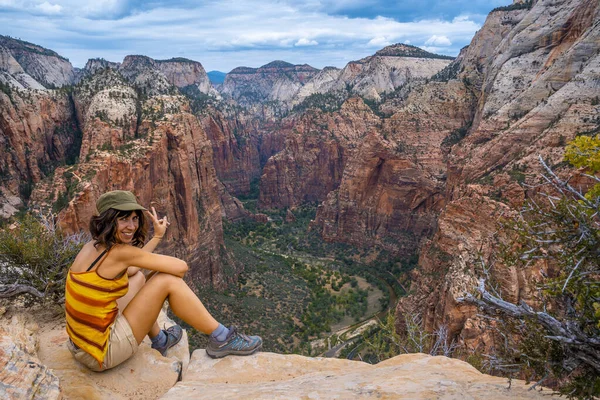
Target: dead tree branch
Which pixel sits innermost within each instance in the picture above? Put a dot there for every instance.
(583, 347)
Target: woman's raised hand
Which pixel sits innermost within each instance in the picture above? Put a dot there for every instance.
(160, 225)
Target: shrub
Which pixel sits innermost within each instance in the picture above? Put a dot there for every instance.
(34, 259)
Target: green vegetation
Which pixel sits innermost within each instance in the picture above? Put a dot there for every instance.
(295, 287)
(456, 135)
(178, 60)
(199, 102)
(326, 102)
(5, 88)
(449, 72)
(525, 5)
(34, 258)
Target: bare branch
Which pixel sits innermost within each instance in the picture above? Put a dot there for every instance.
(584, 347)
(7, 291)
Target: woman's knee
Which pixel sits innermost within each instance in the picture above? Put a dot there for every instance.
(166, 280)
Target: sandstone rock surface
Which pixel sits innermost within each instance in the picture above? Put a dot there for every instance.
(44, 65)
(276, 376)
(147, 375)
(22, 374)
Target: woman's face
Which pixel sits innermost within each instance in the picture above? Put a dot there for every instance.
(126, 227)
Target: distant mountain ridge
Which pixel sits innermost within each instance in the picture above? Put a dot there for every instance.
(216, 77)
(407, 50)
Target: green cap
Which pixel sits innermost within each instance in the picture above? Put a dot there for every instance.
(121, 200)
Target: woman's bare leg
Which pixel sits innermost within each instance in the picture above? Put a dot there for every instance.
(143, 309)
(136, 282)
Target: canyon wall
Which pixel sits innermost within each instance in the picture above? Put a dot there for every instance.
(122, 126)
(534, 74)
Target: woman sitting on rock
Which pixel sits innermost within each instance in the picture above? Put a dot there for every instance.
(110, 307)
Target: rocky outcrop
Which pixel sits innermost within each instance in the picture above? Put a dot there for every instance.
(50, 372)
(94, 65)
(276, 81)
(22, 374)
(276, 376)
(534, 73)
(107, 108)
(143, 72)
(45, 66)
(38, 132)
(38, 365)
(182, 72)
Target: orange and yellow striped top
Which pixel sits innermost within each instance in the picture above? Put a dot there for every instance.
(91, 309)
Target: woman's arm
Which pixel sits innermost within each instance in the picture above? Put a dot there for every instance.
(136, 257)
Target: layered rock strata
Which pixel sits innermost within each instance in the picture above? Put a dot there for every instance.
(534, 73)
(314, 154)
(392, 188)
(45, 66)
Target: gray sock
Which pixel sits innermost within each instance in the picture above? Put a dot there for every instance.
(160, 339)
(220, 334)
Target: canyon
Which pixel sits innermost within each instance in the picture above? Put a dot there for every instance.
(404, 151)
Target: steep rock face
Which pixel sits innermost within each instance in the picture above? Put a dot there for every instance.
(168, 165)
(37, 132)
(182, 72)
(535, 80)
(143, 72)
(236, 148)
(37, 127)
(276, 81)
(93, 65)
(13, 75)
(45, 66)
(107, 110)
(314, 154)
(392, 187)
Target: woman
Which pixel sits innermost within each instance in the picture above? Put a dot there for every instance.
(110, 307)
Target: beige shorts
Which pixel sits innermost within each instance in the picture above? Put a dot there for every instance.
(121, 346)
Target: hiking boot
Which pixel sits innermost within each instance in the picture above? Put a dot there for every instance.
(174, 334)
(236, 343)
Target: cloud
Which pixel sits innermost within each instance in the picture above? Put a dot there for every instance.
(306, 42)
(301, 32)
(47, 8)
(379, 42)
(436, 40)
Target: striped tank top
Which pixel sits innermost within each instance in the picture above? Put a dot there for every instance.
(91, 308)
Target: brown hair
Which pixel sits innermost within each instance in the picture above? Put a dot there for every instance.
(103, 228)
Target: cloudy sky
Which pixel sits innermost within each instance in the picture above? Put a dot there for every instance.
(224, 34)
